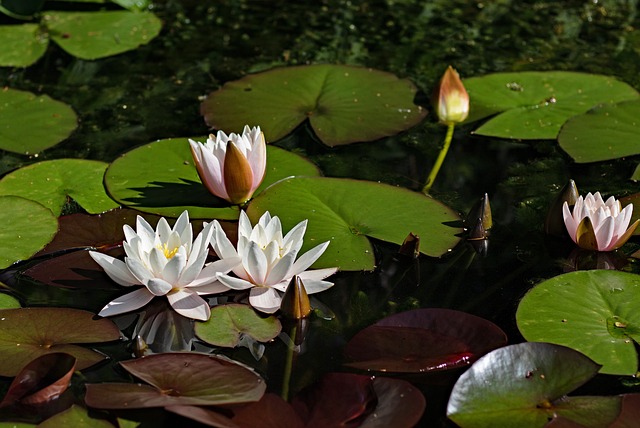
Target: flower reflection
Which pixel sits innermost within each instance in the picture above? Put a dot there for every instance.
(160, 329)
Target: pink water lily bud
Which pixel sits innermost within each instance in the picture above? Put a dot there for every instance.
(598, 225)
(451, 99)
(231, 166)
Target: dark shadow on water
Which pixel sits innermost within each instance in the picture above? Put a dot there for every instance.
(163, 194)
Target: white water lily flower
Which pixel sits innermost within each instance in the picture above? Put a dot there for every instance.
(598, 225)
(269, 261)
(232, 166)
(167, 262)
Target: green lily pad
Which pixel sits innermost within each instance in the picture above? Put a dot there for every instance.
(26, 228)
(594, 312)
(75, 416)
(93, 35)
(346, 212)
(606, 132)
(27, 333)
(19, 110)
(534, 105)
(50, 182)
(525, 385)
(229, 322)
(160, 178)
(344, 104)
(22, 45)
(180, 378)
(8, 302)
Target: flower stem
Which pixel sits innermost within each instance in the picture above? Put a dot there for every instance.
(288, 367)
(440, 159)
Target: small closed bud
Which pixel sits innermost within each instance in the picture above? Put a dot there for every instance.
(295, 302)
(451, 99)
(238, 176)
(554, 223)
(411, 246)
(480, 219)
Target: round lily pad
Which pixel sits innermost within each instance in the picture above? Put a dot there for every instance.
(160, 178)
(26, 227)
(22, 45)
(75, 416)
(50, 182)
(524, 385)
(27, 333)
(346, 212)
(180, 378)
(93, 35)
(423, 341)
(344, 104)
(7, 301)
(534, 105)
(19, 110)
(228, 322)
(594, 312)
(610, 131)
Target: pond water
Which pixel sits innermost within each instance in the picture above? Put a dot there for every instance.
(154, 92)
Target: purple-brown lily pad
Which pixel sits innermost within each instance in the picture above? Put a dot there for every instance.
(179, 378)
(422, 341)
(42, 380)
(28, 333)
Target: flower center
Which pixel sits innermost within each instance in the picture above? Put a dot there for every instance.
(168, 253)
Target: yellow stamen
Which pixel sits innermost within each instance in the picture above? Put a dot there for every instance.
(168, 253)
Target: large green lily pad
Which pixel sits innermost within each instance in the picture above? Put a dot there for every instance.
(534, 105)
(524, 385)
(76, 417)
(180, 378)
(50, 182)
(346, 212)
(344, 104)
(27, 333)
(228, 322)
(594, 312)
(160, 178)
(26, 227)
(19, 110)
(22, 45)
(93, 35)
(610, 131)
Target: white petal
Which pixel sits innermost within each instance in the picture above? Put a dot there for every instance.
(265, 299)
(157, 261)
(210, 273)
(312, 279)
(116, 269)
(174, 267)
(129, 302)
(280, 270)
(255, 263)
(145, 231)
(308, 258)
(244, 225)
(211, 288)
(183, 228)
(569, 221)
(162, 232)
(158, 286)
(139, 270)
(223, 247)
(234, 283)
(294, 239)
(189, 304)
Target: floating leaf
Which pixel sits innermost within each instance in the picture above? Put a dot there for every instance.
(178, 379)
(27, 333)
(93, 35)
(22, 45)
(27, 226)
(7, 301)
(229, 322)
(534, 105)
(594, 312)
(630, 412)
(344, 104)
(346, 212)
(19, 110)
(525, 385)
(170, 184)
(422, 341)
(76, 417)
(50, 182)
(41, 380)
(606, 132)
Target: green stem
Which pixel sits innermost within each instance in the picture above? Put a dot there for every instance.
(288, 367)
(440, 160)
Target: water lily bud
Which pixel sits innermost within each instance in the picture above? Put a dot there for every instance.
(554, 224)
(479, 220)
(231, 166)
(295, 302)
(451, 99)
(411, 246)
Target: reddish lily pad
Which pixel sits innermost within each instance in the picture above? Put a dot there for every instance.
(525, 385)
(42, 380)
(422, 341)
(27, 333)
(179, 378)
(229, 322)
(629, 413)
(343, 104)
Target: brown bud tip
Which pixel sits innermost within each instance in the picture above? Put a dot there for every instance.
(238, 177)
(411, 246)
(554, 223)
(295, 302)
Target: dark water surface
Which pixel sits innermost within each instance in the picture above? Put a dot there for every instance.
(154, 92)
